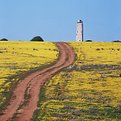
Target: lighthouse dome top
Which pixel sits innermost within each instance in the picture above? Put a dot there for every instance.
(80, 21)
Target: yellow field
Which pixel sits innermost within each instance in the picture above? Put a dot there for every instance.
(89, 90)
(18, 57)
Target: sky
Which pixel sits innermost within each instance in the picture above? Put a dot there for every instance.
(55, 20)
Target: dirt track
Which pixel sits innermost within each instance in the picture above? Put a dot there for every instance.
(26, 95)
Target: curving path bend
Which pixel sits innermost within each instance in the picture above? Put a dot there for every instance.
(26, 95)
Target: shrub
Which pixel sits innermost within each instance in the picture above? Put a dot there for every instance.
(4, 39)
(37, 38)
(98, 49)
(116, 41)
(88, 41)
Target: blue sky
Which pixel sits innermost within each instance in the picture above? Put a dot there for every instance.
(55, 20)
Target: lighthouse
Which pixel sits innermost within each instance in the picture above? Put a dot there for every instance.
(79, 31)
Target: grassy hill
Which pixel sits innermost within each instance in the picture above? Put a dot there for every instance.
(17, 58)
(88, 90)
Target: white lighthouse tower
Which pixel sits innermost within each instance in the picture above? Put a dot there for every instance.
(79, 31)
